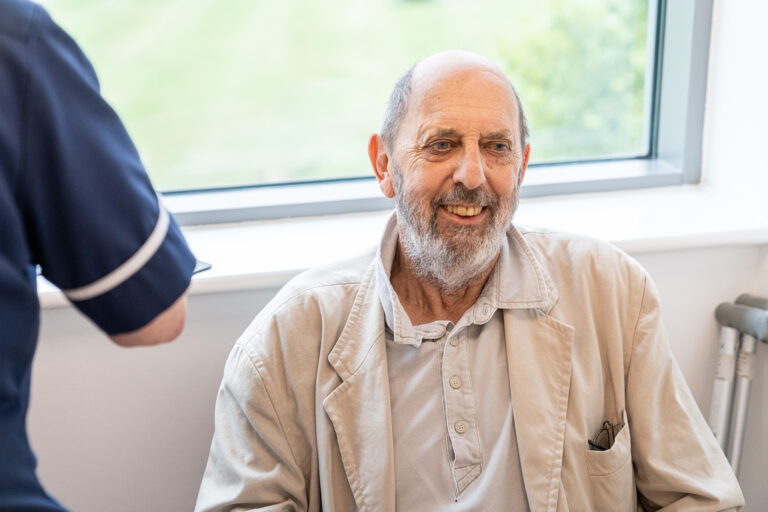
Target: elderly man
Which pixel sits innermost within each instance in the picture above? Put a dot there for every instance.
(468, 364)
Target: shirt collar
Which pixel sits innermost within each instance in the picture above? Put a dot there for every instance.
(491, 297)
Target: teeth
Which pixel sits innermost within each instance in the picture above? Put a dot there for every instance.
(464, 211)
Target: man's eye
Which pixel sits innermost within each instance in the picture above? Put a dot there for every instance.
(500, 146)
(441, 145)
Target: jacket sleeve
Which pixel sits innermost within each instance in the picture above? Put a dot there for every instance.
(678, 463)
(251, 465)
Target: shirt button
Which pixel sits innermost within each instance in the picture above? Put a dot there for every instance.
(455, 382)
(460, 427)
(454, 342)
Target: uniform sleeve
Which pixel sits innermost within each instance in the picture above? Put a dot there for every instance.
(678, 463)
(251, 465)
(94, 223)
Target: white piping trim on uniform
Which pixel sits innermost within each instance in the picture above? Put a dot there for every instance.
(130, 266)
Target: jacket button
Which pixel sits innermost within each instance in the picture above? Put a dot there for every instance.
(454, 342)
(455, 382)
(460, 427)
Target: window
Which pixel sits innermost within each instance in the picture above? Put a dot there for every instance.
(249, 92)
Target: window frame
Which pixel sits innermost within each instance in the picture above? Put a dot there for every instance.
(675, 93)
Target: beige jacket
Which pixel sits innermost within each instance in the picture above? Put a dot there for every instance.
(303, 416)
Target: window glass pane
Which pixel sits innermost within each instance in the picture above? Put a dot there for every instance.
(239, 92)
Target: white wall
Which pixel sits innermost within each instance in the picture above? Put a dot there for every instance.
(129, 429)
(126, 430)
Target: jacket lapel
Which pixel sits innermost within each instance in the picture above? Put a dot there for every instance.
(539, 350)
(539, 363)
(359, 408)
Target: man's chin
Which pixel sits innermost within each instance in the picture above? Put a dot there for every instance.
(468, 241)
(462, 269)
(472, 253)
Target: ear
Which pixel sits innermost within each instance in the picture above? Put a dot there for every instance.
(380, 162)
(525, 163)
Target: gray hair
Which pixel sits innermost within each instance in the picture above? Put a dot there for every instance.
(397, 107)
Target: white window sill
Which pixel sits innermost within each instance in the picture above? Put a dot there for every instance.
(266, 254)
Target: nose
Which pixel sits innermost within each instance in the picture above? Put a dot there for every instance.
(470, 171)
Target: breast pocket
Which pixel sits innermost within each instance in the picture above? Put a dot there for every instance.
(611, 477)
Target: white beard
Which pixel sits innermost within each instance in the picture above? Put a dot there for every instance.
(453, 260)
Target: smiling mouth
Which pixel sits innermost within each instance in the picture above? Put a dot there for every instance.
(464, 211)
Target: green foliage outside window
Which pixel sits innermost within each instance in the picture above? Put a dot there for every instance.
(250, 91)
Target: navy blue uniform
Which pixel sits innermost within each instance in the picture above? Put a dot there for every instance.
(75, 199)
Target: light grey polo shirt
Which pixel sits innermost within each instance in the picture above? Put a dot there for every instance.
(454, 435)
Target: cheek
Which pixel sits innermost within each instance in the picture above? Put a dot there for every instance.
(425, 183)
(413, 194)
(504, 183)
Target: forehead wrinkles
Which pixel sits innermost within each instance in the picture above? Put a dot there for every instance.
(464, 98)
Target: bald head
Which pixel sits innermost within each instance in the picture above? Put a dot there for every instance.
(417, 82)
(449, 63)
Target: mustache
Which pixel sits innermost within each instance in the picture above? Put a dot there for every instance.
(461, 194)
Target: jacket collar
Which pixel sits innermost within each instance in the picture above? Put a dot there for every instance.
(525, 282)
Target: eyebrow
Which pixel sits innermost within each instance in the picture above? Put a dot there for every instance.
(451, 133)
(444, 132)
(505, 134)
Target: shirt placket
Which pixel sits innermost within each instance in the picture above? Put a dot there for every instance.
(461, 417)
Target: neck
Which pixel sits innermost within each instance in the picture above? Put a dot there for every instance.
(425, 301)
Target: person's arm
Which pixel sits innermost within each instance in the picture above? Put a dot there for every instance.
(678, 463)
(95, 225)
(167, 326)
(251, 465)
